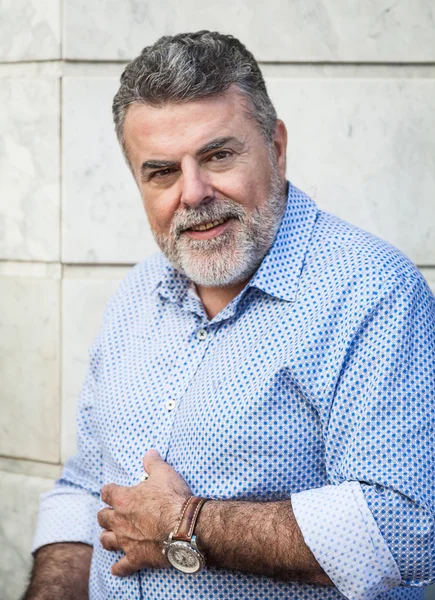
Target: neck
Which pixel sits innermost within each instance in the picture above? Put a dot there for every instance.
(214, 299)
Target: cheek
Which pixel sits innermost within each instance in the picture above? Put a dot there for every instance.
(237, 189)
(251, 187)
(249, 196)
(159, 213)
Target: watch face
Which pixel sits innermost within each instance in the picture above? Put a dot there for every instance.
(183, 557)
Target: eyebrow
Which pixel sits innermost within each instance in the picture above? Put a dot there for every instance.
(156, 164)
(218, 143)
(168, 164)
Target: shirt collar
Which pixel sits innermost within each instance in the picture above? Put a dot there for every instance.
(172, 284)
(279, 273)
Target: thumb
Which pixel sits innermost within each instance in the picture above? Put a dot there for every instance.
(151, 460)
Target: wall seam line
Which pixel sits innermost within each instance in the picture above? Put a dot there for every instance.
(60, 338)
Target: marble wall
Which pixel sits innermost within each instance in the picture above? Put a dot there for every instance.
(355, 84)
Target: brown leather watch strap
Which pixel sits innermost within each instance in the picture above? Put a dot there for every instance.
(186, 523)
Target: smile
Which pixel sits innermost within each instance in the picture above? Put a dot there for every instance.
(205, 226)
(206, 231)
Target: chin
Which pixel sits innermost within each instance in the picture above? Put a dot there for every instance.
(208, 273)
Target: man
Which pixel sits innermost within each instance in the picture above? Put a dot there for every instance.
(274, 360)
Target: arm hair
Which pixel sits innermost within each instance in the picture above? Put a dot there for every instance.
(60, 571)
(258, 537)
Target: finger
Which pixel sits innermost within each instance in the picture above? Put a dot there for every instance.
(151, 460)
(106, 518)
(123, 568)
(110, 492)
(108, 540)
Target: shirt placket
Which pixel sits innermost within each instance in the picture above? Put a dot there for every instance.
(197, 345)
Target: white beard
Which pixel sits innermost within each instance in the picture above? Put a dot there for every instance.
(233, 256)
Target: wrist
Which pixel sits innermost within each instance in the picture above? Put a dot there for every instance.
(180, 548)
(204, 526)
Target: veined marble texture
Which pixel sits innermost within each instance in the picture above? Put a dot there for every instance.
(365, 151)
(19, 501)
(29, 169)
(278, 30)
(83, 303)
(29, 30)
(29, 358)
(103, 220)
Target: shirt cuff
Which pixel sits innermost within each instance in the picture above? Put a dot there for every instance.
(340, 530)
(66, 514)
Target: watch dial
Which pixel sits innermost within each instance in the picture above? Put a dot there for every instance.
(183, 557)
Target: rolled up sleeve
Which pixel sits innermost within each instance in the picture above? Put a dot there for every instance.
(373, 528)
(339, 528)
(68, 512)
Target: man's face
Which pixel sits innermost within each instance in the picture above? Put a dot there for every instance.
(213, 190)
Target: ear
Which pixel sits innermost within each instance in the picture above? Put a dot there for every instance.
(280, 146)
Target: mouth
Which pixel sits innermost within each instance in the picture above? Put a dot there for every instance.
(206, 231)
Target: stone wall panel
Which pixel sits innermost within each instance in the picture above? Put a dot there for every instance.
(103, 220)
(276, 31)
(29, 169)
(29, 30)
(364, 150)
(29, 358)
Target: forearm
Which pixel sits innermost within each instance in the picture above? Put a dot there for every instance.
(258, 537)
(60, 571)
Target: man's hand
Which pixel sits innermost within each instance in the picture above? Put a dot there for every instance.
(142, 516)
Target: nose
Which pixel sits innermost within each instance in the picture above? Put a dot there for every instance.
(196, 187)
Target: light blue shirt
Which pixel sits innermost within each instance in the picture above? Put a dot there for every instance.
(316, 384)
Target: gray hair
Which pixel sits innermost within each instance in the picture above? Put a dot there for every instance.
(189, 66)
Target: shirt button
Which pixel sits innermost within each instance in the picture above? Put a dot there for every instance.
(170, 404)
(201, 334)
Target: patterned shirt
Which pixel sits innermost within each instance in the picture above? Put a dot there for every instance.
(315, 384)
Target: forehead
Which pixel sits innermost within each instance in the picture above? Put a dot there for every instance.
(173, 129)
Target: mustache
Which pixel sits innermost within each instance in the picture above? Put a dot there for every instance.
(215, 210)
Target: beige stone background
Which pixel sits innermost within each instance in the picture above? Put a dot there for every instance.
(355, 83)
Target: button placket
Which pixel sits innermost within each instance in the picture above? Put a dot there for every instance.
(175, 396)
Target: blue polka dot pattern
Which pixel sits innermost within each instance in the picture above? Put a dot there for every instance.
(315, 384)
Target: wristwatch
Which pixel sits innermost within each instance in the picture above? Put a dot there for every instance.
(180, 548)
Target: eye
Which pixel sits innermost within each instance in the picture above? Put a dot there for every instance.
(161, 174)
(221, 155)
